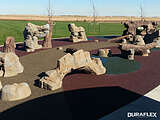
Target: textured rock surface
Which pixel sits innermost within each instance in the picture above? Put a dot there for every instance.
(47, 43)
(15, 92)
(130, 49)
(10, 64)
(138, 48)
(60, 48)
(77, 33)
(139, 40)
(131, 54)
(9, 45)
(0, 85)
(31, 35)
(104, 52)
(132, 26)
(79, 60)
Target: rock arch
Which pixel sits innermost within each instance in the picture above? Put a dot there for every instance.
(80, 60)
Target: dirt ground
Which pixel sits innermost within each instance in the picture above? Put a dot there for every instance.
(75, 18)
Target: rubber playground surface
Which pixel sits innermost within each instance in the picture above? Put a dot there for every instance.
(137, 77)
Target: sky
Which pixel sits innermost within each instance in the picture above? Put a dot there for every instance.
(151, 8)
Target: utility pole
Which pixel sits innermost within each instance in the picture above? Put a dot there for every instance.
(141, 10)
(94, 14)
(48, 39)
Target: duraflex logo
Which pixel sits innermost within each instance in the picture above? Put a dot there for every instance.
(142, 115)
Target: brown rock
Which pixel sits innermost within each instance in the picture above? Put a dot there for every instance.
(9, 45)
(79, 60)
(48, 38)
(104, 52)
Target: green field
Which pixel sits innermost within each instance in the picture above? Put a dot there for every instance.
(16, 28)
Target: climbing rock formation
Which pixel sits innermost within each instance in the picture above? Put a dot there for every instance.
(104, 52)
(79, 60)
(10, 64)
(31, 35)
(144, 29)
(130, 49)
(133, 27)
(9, 45)
(15, 92)
(77, 33)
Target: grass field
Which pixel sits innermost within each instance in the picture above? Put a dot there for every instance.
(16, 28)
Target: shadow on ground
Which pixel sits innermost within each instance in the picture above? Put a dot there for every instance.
(143, 104)
(85, 104)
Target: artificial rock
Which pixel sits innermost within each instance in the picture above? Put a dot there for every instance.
(79, 60)
(10, 64)
(15, 92)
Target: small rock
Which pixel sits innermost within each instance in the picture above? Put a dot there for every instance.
(30, 50)
(104, 52)
(124, 41)
(32, 33)
(97, 41)
(145, 55)
(15, 92)
(131, 55)
(60, 48)
(148, 51)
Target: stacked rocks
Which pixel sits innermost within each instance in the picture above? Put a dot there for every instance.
(77, 33)
(31, 35)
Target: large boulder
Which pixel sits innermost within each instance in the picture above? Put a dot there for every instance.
(104, 52)
(15, 92)
(9, 45)
(79, 60)
(10, 65)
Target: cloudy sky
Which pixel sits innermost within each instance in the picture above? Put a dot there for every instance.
(82, 7)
